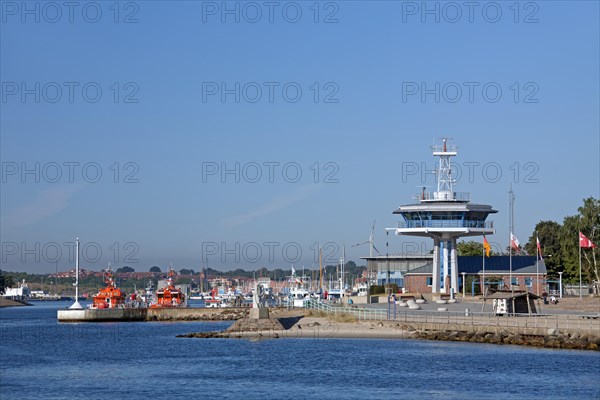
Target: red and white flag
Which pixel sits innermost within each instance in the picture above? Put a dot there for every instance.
(514, 242)
(539, 247)
(585, 242)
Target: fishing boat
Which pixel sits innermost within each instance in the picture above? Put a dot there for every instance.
(147, 297)
(110, 296)
(169, 296)
(298, 293)
(214, 300)
(299, 296)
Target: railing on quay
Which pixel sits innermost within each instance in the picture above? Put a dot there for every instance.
(560, 322)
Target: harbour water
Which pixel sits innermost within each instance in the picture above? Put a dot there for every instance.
(44, 359)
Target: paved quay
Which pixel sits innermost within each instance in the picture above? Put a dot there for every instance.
(567, 305)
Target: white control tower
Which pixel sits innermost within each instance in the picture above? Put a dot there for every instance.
(444, 216)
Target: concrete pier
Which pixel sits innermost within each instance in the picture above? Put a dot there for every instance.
(151, 314)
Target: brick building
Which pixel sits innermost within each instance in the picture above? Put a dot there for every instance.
(526, 275)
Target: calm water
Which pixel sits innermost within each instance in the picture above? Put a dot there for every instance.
(44, 359)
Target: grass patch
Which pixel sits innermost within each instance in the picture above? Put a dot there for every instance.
(338, 317)
(317, 314)
(343, 317)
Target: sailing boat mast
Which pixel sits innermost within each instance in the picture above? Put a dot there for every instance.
(320, 270)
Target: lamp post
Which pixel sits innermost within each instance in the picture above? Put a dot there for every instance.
(464, 285)
(545, 280)
(368, 283)
(56, 278)
(387, 263)
(560, 291)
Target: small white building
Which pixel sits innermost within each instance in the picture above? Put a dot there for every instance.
(19, 293)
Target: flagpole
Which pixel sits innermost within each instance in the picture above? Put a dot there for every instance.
(537, 265)
(511, 227)
(579, 242)
(483, 256)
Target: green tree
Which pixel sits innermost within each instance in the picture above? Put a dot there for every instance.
(471, 248)
(587, 221)
(124, 269)
(277, 273)
(155, 269)
(590, 227)
(548, 233)
(183, 281)
(264, 272)
(5, 282)
(186, 271)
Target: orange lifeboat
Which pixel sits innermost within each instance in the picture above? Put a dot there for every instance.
(169, 296)
(110, 296)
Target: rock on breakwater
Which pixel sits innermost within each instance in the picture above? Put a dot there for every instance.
(195, 314)
(554, 340)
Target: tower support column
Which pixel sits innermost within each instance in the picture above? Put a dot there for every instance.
(453, 267)
(435, 276)
(445, 266)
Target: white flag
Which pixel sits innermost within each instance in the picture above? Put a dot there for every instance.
(293, 271)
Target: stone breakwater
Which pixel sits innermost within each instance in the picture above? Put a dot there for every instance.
(322, 328)
(553, 340)
(195, 314)
(268, 328)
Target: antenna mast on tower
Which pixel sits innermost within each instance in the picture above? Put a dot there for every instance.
(445, 182)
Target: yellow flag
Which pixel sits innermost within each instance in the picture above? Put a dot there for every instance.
(486, 246)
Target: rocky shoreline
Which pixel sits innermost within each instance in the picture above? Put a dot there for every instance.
(554, 340)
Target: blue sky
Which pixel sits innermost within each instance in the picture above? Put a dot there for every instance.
(161, 131)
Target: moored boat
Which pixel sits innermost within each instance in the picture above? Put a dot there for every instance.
(215, 301)
(169, 296)
(110, 296)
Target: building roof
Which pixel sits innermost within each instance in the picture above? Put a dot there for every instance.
(445, 206)
(401, 256)
(493, 265)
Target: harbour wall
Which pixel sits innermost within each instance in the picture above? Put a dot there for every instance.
(151, 314)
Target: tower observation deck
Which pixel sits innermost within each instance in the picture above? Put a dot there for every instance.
(445, 216)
